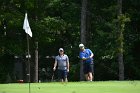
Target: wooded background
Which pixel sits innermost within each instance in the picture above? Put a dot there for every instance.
(110, 28)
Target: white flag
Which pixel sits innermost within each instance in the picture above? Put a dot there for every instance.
(26, 26)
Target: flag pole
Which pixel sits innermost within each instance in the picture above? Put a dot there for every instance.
(29, 79)
(27, 29)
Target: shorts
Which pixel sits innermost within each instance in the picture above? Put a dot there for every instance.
(88, 67)
(62, 74)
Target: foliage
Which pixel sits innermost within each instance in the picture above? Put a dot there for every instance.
(56, 23)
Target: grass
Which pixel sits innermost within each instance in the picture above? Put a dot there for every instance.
(73, 87)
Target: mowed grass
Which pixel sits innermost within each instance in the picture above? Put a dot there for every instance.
(73, 87)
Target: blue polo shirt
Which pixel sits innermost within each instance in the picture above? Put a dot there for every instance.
(86, 54)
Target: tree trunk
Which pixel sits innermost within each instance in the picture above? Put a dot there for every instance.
(83, 21)
(83, 33)
(120, 43)
(89, 23)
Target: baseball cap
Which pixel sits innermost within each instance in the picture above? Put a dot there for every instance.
(61, 49)
(81, 45)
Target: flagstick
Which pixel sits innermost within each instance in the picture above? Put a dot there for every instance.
(27, 29)
(28, 62)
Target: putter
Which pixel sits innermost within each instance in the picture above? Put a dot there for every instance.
(52, 76)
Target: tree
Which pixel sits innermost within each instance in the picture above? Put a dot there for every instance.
(121, 25)
(83, 32)
(56, 23)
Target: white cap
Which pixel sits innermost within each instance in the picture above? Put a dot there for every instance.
(61, 49)
(81, 45)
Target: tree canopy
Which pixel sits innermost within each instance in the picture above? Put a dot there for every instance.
(56, 23)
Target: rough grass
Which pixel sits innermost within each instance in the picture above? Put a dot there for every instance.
(73, 87)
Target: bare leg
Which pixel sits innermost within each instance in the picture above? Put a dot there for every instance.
(66, 80)
(61, 80)
(90, 76)
(87, 77)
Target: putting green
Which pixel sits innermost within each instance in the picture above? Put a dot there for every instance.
(73, 87)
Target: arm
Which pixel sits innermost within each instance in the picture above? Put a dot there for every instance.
(91, 55)
(67, 64)
(82, 57)
(55, 64)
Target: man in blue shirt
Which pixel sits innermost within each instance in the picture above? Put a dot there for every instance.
(86, 56)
